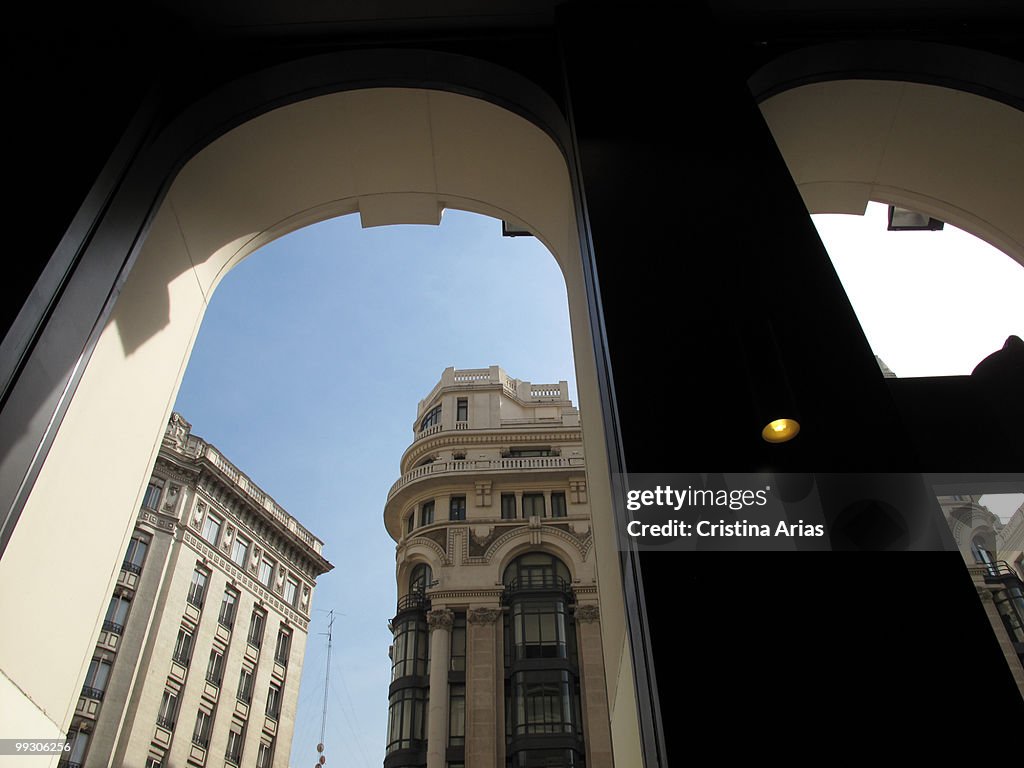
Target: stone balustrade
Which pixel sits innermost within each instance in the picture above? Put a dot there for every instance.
(485, 465)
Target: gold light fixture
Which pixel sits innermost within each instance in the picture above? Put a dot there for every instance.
(780, 430)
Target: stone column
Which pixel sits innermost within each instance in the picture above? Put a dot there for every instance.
(482, 724)
(593, 689)
(440, 623)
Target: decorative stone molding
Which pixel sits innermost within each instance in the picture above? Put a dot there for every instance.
(171, 500)
(577, 491)
(468, 595)
(587, 614)
(483, 493)
(157, 521)
(581, 542)
(440, 618)
(483, 615)
(177, 432)
(431, 544)
(985, 595)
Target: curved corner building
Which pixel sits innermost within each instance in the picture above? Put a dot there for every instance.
(497, 645)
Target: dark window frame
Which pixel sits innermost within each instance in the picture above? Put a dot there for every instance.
(228, 610)
(432, 417)
(457, 508)
(559, 509)
(530, 505)
(427, 513)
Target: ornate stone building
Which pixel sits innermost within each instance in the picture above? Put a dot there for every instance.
(497, 646)
(994, 553)
(200, 655)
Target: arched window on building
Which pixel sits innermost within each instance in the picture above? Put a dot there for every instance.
(542, 690)
(420, 579)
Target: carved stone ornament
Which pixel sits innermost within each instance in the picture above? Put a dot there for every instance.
(587, 613)
(177, 432)
(440, 618)
(197, 515)
(172, 497)
(483, 615)
(985, 595)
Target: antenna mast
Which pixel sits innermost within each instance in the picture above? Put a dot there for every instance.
(327, 683)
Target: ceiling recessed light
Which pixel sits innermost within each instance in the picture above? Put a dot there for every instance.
(780, 430)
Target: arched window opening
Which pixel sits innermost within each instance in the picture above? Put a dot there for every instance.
(420, 579)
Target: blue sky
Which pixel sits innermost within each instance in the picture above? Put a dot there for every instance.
(306, 373)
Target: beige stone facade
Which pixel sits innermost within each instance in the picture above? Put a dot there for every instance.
(200, 655)
(497, 657)
(994, 552)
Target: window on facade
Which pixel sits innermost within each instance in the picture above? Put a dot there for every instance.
(433, 417)
(197, 589)
(539, 629)
(542, 689)
(274, 701)
(457, 715)
(420, 578)
(183, 647)
(407, 719)
(266, 573)
(79, 741)
(264, 755)
(457, 508)
(215, 669)
(537, 570)
(508, 506)
(427, 512)
(462, 409)
(154, 762)
(117, 614)
(211, 528)
(152, 496)
(96, 679)
(409, 655)
(168, 709)
(558, 505)
(228, 608)
(533, 505)
(136, 554)
(256, 626)
(291, 591)
(1009, 603)
(245, 685)
(233, 753)
(543, 702)
(458, 642)
(410, 522)
(525, 453)
(201, 733)
(240, 551)
(284, 646)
